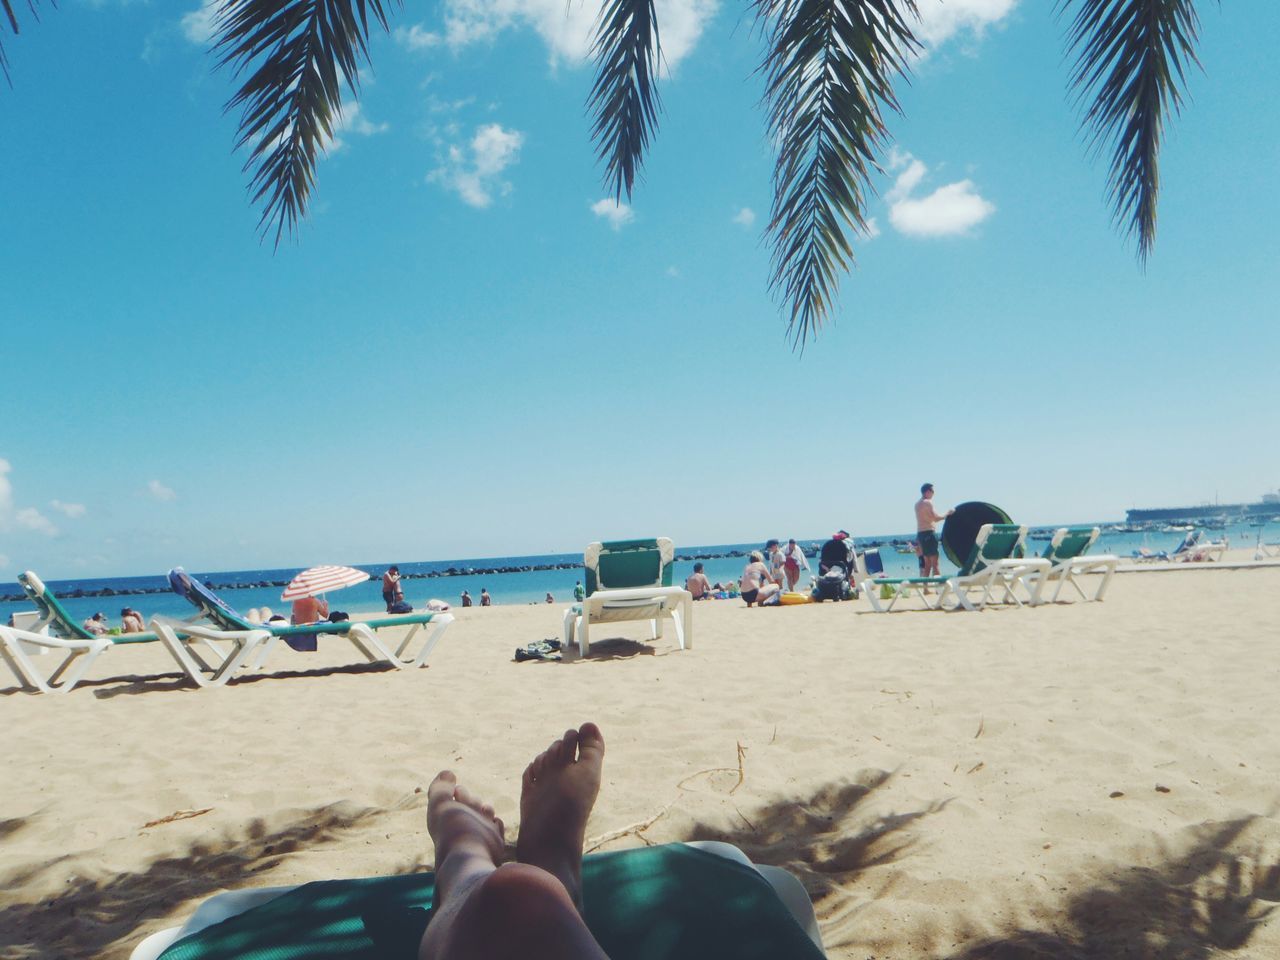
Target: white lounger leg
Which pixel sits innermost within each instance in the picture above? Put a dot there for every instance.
(64, 678)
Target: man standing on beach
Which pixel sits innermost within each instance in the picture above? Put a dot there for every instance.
(926, 517)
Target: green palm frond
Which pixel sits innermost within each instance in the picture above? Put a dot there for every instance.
(1130, 60)
(829, 71)
(300, 52)
(11, 15)
(623, 97)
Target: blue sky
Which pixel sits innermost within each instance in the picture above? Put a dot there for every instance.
(469, 351)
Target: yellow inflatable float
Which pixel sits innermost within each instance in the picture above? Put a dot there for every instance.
(788, 599)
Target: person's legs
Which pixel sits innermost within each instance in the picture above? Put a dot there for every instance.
(527, 909)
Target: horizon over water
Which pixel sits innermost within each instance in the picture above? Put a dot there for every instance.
(242, 588)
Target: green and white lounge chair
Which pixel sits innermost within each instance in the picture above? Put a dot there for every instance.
(1066, 553)
(361, 633)
(56, 631)
(18, 646)
(630, 580)
(993, 563)
(676, 902)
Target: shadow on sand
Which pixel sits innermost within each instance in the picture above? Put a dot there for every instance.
(91, 914)
(1193, 906)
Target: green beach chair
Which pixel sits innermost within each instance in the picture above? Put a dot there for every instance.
(361, 633)
(1067, 555)
(57, 632)
(672, 902)
(630, 580)
(994, 563)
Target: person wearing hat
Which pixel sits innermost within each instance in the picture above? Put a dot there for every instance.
(97, 624)
(926, 537)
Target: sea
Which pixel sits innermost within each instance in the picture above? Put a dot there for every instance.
(523, 580)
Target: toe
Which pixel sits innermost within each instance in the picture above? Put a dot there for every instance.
(487, 810)
(463, 795)
(442, 787)
(569, 747)
(590, 741)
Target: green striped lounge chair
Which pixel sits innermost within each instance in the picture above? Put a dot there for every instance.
(995, 564)
(678, 901)
(363, 634)
(57, 632)
(1067, 554)
(630, 580)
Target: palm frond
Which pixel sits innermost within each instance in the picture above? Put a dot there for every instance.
(11, 15)
(829, 68)
(300, 52)
(623, 98)
(1130, 68)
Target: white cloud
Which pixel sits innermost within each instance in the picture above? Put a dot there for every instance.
(569, 28)
(416, 37)
(618, 214)
(351, 119)
(25, 518)
(941, 20)
(29, 518)
(72, 511)
(950, 210)
(872, 229)
(160, 492)
(199, 24)
(745, 217)
(474, 172)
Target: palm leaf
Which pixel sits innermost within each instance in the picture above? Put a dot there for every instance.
(829, 69)
(11, 15)
(1130, 60)
(623, 98)
(298, 54)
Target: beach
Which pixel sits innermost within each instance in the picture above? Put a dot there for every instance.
(1076, 780)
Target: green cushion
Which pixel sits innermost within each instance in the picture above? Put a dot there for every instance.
(628, 563)
(1076, 542)
(659, 903)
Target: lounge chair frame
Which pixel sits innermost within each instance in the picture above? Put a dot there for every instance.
(78, 655)
(1068, 555)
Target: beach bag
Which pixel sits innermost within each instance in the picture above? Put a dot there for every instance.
(400, 606)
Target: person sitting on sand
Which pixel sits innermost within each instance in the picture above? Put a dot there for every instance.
(466, 599)
(131, 621)
(758, 586)
(550, 598)
(532, 907)
(485, 599)
(698, 584)
(97, 624)
(310, 610)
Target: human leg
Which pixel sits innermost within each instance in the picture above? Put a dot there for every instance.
(530, 909)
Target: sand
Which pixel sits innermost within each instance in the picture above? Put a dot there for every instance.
(1075, 781)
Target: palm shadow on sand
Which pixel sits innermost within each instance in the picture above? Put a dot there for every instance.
(101, 916)
(1196, 905)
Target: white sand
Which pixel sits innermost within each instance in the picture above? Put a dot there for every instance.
(1081, 780)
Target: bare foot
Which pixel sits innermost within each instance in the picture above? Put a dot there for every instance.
(466, 834)
(557, 792)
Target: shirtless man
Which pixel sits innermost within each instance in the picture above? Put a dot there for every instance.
(697, 583)
(530, 908)
(926, 517)
(309, 610)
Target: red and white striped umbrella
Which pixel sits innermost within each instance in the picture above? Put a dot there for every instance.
(319, 580)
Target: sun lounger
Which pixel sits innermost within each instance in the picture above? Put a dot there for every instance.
(630, 580)
(1195, 549)
(361, 633)
(77, 656)
(994, 564)
(677, 901)
(1067, 553)
(60, 623)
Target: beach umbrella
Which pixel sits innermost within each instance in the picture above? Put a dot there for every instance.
(960, 531)
(318, 580)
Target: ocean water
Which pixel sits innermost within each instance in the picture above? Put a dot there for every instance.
(242, 590)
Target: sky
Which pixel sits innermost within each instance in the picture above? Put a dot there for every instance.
(471, 350)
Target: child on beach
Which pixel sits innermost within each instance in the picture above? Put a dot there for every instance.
(131, 621)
